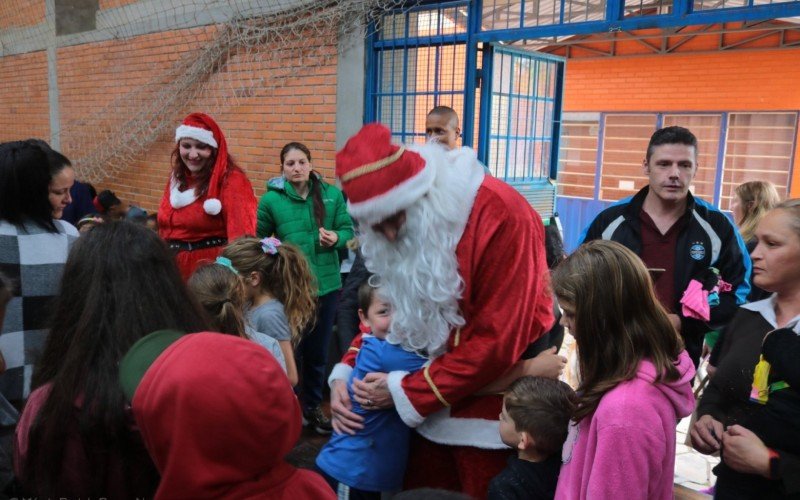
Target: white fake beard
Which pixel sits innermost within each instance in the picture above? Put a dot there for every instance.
(419, 271)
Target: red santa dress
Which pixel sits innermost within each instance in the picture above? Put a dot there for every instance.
(197, 227)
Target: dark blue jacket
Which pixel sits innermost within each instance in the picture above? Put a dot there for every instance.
(708, 239)
(81, 203)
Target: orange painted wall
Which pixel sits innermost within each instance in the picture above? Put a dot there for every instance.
(761, 80)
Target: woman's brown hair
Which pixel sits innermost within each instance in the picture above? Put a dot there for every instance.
(221, 292)
(202, 178)
(618, 319)
(286, 275)
(314, 182)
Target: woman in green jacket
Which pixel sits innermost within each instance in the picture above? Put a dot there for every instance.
(301, 209)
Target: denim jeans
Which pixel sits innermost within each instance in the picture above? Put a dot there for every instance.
(313, 351)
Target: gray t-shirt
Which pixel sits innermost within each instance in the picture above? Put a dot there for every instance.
(270, 318)
(269, 344)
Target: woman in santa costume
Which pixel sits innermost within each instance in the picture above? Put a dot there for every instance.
(208, 199)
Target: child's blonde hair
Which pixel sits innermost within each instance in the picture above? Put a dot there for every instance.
(757, 198)
(221, 292)
(285, 275)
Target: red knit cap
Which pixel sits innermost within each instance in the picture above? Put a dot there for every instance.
(378, 177)
(203, 128)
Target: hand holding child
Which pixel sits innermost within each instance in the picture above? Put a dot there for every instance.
(373, 391)
(343, 420)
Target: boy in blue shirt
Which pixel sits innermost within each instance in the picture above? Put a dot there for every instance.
(373, 460)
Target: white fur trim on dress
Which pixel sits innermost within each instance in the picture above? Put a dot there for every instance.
(180, 199)
(398, 198)
(341, 371)
(442, 428)
(212, 206)
(405, 409)
(196, 133)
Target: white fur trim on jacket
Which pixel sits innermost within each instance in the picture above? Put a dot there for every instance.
(341, 371)
(180, 199)
(212, 206)
(398, 198)
(196, 133)
(441, 428)
(405, 409)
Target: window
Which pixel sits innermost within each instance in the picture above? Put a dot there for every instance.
(577, 160)
(759, 146)
(625, 141)
(707, 129)
(420, 63)
(733, 148)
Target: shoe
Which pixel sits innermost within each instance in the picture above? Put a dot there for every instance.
(316, 418)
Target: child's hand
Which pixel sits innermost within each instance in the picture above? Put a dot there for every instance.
(327, 238)
(706, 434)
(546, 364)
(343, 420)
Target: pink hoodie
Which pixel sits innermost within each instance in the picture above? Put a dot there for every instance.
(627, 448)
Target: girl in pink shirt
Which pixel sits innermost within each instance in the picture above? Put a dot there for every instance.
(635, 378)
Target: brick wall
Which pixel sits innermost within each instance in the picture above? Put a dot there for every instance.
(271, 100)
(18, 13)
(24, 107)
(762, 80)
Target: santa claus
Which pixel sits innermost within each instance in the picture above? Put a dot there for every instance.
(461, 259)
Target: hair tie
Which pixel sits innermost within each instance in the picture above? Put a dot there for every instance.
(374, 281)
(270, 245)
(226, 262)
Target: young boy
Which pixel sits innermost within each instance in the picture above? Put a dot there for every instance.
(441, 125)
(534, 421)
(373, 460)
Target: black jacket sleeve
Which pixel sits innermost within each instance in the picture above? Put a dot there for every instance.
(789, 471)
(347, 316)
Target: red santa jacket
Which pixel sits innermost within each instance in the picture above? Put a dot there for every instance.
(506, 304)
(192, 223)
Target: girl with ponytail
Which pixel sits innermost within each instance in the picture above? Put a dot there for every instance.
(280, 288)
(218, 287)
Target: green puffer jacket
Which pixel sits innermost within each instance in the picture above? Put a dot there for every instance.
(288, 216)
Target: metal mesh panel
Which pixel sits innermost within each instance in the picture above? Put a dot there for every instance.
(522, 115)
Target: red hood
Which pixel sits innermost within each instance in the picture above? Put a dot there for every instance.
(218, 415)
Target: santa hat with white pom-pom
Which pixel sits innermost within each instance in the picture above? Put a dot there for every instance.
(203, 128)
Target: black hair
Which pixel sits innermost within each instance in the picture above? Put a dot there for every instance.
(119, 284)
(366, 294)
(107, 199)
(313, 181)
(553, 243)
(671, 135)
(26, 170)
